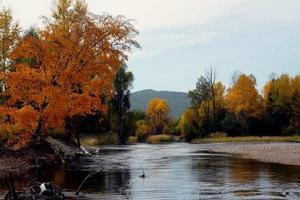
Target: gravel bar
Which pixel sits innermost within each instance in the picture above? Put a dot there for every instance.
(282, 153)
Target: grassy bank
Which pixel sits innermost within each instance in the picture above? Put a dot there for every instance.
(247, 139)
(104, 139)
(132, 140)
(156, 139)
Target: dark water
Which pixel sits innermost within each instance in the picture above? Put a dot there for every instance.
(173, 172)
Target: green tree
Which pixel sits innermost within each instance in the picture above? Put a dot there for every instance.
(282, 101)
(120, 104)
(208, 99)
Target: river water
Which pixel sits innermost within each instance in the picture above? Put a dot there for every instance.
(176, 171)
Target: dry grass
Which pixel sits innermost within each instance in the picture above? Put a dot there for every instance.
(105, 139)
(247, 139)
(156, 139)
(132, 140)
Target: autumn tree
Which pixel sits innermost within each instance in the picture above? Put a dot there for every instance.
(294, 126)
(189, 124)
(282, 100)
(158, 114)
(9, 37)
(76, 58)
(243, 100)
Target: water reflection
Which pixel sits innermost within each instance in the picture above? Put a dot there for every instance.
(244, 171)
(175, 171)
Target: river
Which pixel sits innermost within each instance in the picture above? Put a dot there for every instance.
(176, 171)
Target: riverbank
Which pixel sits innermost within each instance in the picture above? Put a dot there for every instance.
(256, 139)
(25, 160)
(282, 153)
(50, 152)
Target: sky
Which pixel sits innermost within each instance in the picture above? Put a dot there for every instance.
(182, 38)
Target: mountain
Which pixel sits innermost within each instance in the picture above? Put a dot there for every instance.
(178, 101)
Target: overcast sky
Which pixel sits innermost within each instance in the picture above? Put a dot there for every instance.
(180, 38)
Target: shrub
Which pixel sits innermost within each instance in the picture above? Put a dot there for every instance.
(142, 130)
(132, 140)
(56, 133)
(154, 139)
(109, 138)
(218, 135)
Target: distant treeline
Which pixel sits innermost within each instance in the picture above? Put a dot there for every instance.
(241, 109)
(238, 111)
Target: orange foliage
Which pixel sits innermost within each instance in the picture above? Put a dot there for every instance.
(75, 60)
(243, 98)
(158, 114)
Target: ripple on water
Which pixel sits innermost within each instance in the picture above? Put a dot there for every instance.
(174, 171)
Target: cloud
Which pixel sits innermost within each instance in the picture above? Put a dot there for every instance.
(150, 15)
(156, 14)
(159, 41)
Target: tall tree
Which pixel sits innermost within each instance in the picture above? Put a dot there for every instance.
(158, 114)
(120, 103)
(243, 100)
(282, 100)
(76, 59)
(210, 77)
(204, 98)
(9, 37)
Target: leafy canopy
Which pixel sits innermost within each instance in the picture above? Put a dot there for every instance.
(76, 57)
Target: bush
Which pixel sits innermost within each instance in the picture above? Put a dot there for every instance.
(132, 140)
(57, 133)
(218, 135)
(189, 133)
(109, 138)
(142, 130)
(172, 128)
(154, 139)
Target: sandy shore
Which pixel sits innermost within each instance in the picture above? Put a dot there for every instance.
(283, 153)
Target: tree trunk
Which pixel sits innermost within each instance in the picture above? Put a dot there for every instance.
(120, 131)
(37, 131)
(77, 138)
(70, 131)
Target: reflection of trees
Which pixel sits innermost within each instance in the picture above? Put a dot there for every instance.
(114, 182)
(283, 173)
(108, 182)
(211, 169)
(20, 179)
(244, 171)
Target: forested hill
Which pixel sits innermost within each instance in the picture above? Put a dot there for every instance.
(178, 101)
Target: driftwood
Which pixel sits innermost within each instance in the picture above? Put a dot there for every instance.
(61, 149)
(92, 173)
(36, 191)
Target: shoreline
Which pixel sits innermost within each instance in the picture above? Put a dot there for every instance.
(287, 153)
(51, 153)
